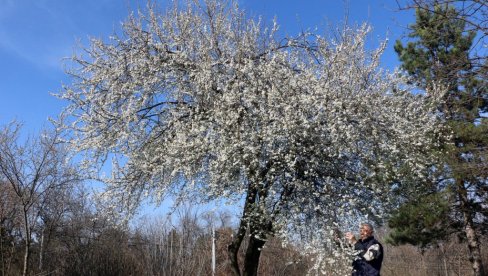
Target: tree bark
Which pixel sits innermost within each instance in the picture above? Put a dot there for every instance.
(474, 248)
(469, 230)
(233, 250)
(1, 250)
(233, 247)
(41, 251)
(25, 269)
(253, 252)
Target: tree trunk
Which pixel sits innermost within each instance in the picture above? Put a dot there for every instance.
(233, 247)
(474, 246)
(1, 250)
(473, 242)
(41, 251)
(27, 244)
(253, 252)
(232, 251)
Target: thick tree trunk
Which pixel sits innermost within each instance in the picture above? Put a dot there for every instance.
(474, 249)
(251, 260)
(472, 237)
(233, 248)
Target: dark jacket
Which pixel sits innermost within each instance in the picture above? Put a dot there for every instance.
(369, 258)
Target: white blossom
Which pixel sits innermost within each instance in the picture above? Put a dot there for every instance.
(203, 103)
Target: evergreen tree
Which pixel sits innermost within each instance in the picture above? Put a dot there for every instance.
(439, 54)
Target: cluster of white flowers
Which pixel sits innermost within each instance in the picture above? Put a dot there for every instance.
(202, 103)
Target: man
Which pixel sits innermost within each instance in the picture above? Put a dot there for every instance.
(370, 252)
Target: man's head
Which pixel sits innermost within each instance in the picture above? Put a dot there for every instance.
(366, 230)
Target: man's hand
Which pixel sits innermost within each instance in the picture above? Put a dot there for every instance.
(351, 238)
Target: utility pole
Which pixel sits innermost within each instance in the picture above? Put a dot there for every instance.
(213, 250)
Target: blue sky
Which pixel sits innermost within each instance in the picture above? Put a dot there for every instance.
(35, 36)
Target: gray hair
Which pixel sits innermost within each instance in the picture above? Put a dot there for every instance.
(368, 225)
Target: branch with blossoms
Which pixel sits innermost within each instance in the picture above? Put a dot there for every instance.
(202, 103)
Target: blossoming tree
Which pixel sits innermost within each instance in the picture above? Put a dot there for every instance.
(202, 103)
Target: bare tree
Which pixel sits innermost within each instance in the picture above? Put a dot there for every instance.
(9, 223)
(35, 171)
